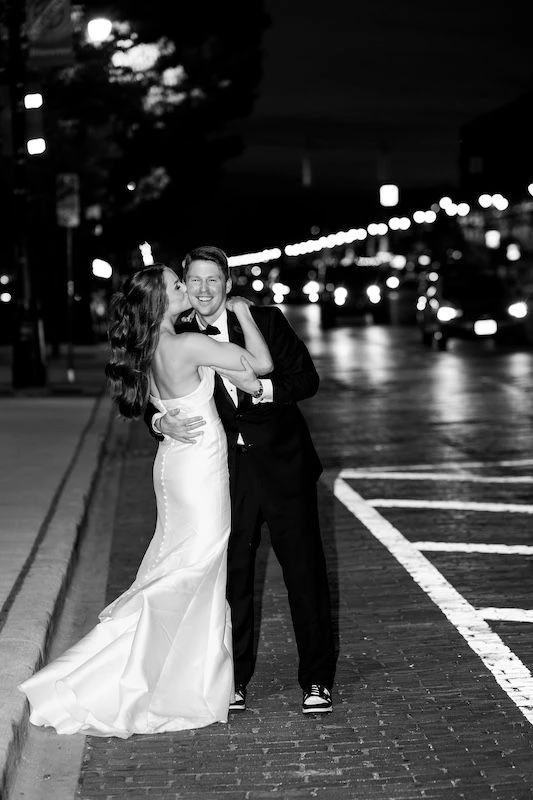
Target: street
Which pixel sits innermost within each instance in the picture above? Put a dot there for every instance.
(426, 509)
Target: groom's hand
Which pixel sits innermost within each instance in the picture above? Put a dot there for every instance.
(244, 379)
(186, 429)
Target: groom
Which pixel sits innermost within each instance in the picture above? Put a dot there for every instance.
(273, 470)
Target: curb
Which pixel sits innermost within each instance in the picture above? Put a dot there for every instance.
(25, 637)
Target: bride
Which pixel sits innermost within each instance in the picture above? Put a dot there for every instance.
(160, 657)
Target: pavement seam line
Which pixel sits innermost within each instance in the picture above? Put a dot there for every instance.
(27, 629)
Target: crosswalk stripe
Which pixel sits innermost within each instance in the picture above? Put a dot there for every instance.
(452, 505)
(507, 614)
(508, 670)
(434, 476)
(472, 547)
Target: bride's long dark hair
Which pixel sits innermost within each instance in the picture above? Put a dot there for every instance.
(135, 315)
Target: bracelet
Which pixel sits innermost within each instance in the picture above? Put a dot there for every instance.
(259, 393)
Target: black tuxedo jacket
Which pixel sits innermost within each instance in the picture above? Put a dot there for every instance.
(276, 434)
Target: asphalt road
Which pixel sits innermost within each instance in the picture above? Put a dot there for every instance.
(426, 505)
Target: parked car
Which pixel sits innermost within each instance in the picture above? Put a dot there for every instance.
(355, 292)
(466, 301)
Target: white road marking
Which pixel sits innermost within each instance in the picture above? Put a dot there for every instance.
(434, 476)
(471, 547)
(507, 614)
(452, 465)
(452, 505)
(508, 670)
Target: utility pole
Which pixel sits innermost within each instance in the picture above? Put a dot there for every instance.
(29, 360)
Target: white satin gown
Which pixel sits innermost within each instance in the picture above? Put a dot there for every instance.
(160, 657)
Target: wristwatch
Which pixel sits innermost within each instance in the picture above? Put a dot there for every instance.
(259, 393)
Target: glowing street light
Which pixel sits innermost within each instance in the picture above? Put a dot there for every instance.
(499, 202)
(492, 239)
(513, 252)
(389, 195)
(451, 210)
(146, 253)
(102, 269)
(99, 29)
(33, 100)
(36, 146)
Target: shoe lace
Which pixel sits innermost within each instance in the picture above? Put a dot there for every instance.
(317, 690)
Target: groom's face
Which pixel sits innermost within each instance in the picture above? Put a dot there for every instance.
(207, 288)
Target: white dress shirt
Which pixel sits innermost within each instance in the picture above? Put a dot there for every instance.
(222, 324)
(268, 390)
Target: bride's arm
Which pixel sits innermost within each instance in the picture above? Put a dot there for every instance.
(253, 338)
(202, 350)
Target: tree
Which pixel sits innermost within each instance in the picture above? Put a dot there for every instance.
(143, 118)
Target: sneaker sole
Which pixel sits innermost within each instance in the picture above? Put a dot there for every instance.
(317, 710)
(237, 708)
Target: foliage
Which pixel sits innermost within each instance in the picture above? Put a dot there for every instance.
(150, 107)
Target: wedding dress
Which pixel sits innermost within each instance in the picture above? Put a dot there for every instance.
(160, 657)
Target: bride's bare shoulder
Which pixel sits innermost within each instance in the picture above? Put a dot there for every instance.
(176, 346)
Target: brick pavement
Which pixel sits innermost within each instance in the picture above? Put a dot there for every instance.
(416, 714)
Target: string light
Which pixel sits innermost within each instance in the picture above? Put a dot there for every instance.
(446, 204)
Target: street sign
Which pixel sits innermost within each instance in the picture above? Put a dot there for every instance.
(68, 200)
(49, 32)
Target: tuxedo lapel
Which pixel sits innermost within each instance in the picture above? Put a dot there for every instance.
(235, 333)
(187, 325)
(236, 336)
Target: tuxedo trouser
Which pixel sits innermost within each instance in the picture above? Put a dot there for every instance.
(295, 536)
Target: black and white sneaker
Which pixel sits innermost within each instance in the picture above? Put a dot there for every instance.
(317, 700)
(239, 699)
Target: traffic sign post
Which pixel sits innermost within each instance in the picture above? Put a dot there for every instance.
(68, 217)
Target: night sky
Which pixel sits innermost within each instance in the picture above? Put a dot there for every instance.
(372, 92)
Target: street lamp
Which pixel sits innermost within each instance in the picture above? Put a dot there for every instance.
(102, 269)
(99, 29)
(389, 195)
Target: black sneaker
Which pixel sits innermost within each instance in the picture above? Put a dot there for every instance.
(317, 700)
(239, 699)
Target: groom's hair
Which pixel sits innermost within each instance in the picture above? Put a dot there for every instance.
(207, 253)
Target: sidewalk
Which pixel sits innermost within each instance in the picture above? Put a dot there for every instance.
(52, 443)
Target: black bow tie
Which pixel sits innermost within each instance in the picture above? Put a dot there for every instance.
(210, 330)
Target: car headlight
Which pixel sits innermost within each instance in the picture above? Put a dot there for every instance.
(518, 310)
(339, 295)
(374, 294)
(447, 313)
(311, 287)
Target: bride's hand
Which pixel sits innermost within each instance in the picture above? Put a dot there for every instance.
(238, 304)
